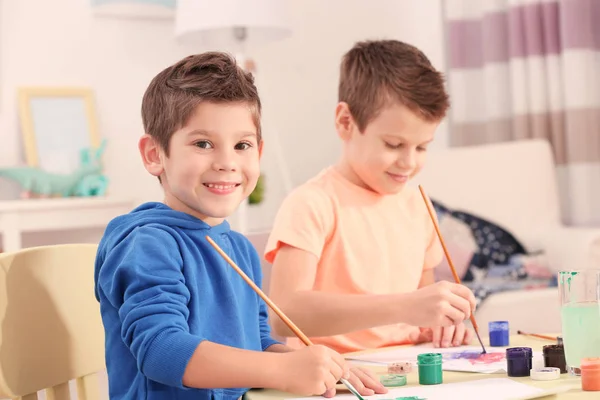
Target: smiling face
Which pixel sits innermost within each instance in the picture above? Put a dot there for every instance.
(213, 161)
(389, 152)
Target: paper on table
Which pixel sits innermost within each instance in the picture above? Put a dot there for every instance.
(461, 359)
(489, 389)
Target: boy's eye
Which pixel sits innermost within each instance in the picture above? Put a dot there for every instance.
(243, 146)
(203, 144)
(392, 146)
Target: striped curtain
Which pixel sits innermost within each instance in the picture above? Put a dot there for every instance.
(520, 69)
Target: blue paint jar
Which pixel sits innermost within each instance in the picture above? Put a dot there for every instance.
(499, 334)
(519, 361)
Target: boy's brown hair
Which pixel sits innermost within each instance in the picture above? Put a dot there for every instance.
(373, 73)
(173, 95)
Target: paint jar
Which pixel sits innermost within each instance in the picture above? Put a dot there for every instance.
(392, 380)
(399, 368)
(554, 356)
(590, 374)
(519, 361)
(498, 333)
(430, 368)
(545, 374)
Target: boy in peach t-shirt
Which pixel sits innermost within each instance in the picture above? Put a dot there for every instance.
(353, 249)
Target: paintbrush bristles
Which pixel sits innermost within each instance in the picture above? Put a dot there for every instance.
(450, 263)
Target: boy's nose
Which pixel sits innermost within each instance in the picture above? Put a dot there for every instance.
(407, 160)
(224, 162)
(225, 166)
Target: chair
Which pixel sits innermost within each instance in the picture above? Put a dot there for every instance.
(50, 326)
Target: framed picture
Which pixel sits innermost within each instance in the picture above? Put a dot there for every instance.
(57, 123)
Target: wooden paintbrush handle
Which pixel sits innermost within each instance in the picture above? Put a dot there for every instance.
(273, 306)
(439, 235)
(553, 338)
(446, 252)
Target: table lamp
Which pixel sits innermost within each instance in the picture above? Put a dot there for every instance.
(134, 8)
(235, 26)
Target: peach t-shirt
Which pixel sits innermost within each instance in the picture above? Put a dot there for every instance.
(366, 243)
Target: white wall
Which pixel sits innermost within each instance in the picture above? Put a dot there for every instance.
(61, 43)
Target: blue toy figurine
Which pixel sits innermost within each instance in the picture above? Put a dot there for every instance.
(87, 180)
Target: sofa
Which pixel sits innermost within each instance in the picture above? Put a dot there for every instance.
(514, 184)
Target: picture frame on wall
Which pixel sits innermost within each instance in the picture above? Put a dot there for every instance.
(56, 124)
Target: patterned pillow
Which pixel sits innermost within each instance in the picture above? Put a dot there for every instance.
(495, 245)
(461, 246)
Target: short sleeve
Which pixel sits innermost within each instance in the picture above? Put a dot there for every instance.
(434, 252)
(304, 220)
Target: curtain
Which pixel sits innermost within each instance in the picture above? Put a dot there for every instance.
(521, 69)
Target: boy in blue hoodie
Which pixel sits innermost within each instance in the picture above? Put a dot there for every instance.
(179, 322)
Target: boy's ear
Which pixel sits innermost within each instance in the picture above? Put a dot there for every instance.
(151, 155)
(344, 123)
(260, 148)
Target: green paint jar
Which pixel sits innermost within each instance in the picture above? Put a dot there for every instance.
(393, 380)
(430, 368)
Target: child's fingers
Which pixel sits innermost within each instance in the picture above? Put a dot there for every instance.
(459, 335)
(447, 335)
(436, 337)
(454, 312)
(469, 336)
(370, 380)
(462, 306)
(340, 361)
(355, 381)
(465, 293)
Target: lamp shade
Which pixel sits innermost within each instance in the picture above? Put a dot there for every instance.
(134, 8)
(219, 24)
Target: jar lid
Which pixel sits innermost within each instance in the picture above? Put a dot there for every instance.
(519, 352)
(498, 325)
(429, 358)
(590, 363)
(393, 380)
(545, 374)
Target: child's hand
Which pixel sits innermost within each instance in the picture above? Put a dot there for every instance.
(312, 370)
(440, 304)
(366, 382)
(449, 336)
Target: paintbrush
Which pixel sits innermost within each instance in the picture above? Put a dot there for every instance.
(553, 338)
(456, 278)
(274, 307)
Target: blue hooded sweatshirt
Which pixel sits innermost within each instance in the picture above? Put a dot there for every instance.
(163, 289)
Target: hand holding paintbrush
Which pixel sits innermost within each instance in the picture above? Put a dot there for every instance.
(280, 313)
(454, 274)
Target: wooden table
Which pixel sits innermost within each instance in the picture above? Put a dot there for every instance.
(449, 377)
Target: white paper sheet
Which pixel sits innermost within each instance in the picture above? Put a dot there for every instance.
(461, 359)
(488, 389)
